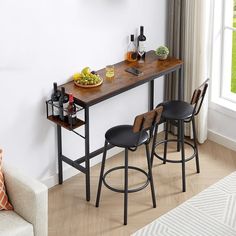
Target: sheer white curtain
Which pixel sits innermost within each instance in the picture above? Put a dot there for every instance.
(188, 38)
(196, 56)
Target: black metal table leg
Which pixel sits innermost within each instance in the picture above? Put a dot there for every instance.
(59, 150)
(181, 84)
(151, 95)
(87, 152)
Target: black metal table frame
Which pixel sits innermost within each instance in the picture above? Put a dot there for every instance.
(86, 158)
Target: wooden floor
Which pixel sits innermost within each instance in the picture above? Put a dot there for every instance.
(70, 214)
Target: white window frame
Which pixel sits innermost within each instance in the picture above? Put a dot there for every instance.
(226, 65)
(219, 101)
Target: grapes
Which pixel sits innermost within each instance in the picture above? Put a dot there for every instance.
(87, 78)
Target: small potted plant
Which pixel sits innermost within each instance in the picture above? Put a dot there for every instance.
(162, 52)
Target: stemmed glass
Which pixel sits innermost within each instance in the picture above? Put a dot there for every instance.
(141, 51)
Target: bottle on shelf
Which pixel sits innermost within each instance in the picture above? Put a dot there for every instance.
(71, 110)
(131, 54)
(62, 104)
(55, 100)
(141, 44)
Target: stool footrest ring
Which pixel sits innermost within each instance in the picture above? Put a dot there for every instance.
(122, 190)
(176, 161)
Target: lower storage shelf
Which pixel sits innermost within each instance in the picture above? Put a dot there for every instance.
(65, 123)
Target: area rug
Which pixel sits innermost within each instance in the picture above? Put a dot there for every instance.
(210, 213)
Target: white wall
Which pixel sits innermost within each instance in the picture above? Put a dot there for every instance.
(46, 41)
(222, 125)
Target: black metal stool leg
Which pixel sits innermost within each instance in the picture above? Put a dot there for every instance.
(183, 155)
(126, 187)
(195, 145)
(178, 136)
(165, 143)
(101, 173)
(150, 176)
(154, 144)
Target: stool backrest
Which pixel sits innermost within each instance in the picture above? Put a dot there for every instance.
(198, 96)
(147, 120)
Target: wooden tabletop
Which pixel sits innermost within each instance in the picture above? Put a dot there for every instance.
(123, 81)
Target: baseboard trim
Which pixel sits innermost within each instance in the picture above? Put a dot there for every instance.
(222, 140)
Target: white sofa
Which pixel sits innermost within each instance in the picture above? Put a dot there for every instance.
(29, 198)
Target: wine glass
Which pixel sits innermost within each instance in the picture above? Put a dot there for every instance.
(141, 51)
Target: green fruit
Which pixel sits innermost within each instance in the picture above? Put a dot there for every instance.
(88, 78)
(86, 71)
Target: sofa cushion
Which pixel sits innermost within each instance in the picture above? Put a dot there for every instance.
(4, 203)
(12, 224)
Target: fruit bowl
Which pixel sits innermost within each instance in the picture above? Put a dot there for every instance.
(87, 79)
(88, 85)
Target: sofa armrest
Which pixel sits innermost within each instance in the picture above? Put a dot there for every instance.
(29, 198)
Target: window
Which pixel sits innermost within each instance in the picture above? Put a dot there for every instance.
(228, 64)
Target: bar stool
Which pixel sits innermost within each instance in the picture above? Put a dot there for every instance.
(178, 113)
(130, 137)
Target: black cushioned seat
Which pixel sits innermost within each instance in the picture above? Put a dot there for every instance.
(123, 136)
(177, 110)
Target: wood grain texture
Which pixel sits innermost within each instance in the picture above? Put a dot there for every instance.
(147, 120)
(65, 124)
(70, 214)
(123, 81)
(200, 92)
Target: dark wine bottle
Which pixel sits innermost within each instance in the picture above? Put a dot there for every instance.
(141, 44)
(62, 104)
(71, 110)
(55, 100)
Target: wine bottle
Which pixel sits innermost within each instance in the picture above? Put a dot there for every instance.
(62, 104)
(71, 110)
(141, 44)
(131, 54)
(55, 100)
